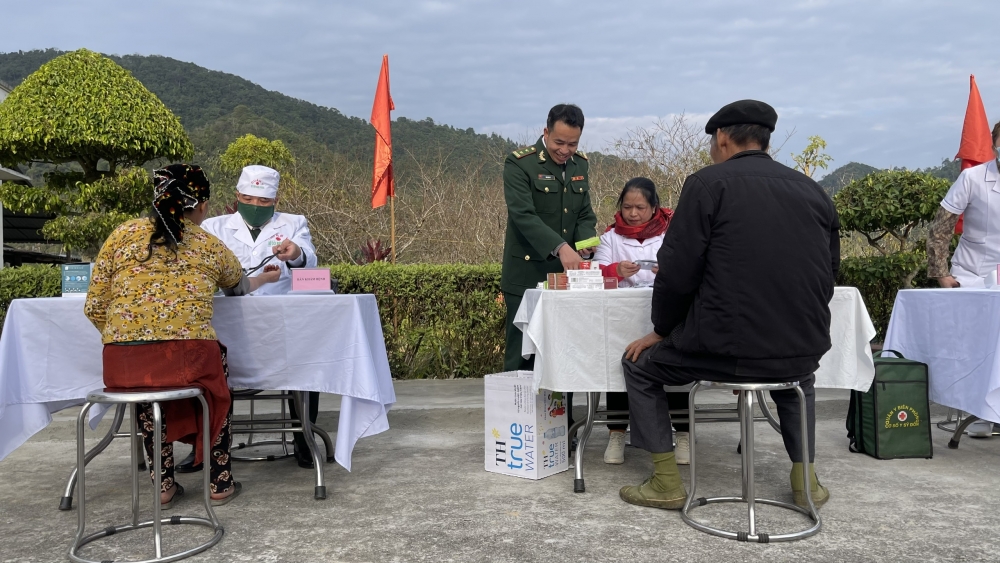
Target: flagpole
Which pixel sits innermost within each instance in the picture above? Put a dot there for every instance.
(392, 223)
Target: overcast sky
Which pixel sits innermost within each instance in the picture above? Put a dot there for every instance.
(885, 82)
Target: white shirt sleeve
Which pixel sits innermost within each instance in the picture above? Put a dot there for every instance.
(605, 253)
(303, 238)
(960, 193)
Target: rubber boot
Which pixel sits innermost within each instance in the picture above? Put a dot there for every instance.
(663, 489)
(819, 493)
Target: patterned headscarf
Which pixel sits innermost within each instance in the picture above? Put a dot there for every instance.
(176, 188)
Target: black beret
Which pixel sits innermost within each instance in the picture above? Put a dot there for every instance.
(743, 112)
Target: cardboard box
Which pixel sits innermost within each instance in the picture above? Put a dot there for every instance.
(525, 431)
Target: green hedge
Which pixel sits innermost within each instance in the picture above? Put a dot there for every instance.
(446, 321)
(30, 280)
(440, 321)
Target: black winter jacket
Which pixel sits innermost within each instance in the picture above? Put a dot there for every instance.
(746, 271)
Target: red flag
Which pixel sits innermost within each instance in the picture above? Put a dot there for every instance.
(383, 183)
(977, 140)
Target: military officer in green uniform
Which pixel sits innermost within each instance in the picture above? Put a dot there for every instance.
(547, 190)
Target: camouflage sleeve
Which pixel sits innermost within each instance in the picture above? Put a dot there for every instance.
(938, 239)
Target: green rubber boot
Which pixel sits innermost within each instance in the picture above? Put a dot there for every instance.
(663, 489)
(819, 493)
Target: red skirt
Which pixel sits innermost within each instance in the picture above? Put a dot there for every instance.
(175, 364)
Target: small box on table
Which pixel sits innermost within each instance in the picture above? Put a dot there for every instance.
(585, 279)
(525, 431)
(76, 279)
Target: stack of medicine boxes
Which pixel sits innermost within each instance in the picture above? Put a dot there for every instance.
(586, 279)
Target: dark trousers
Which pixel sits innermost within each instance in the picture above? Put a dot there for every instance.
(619, 402)
(298, 437)
(649, 407)
(512, 360)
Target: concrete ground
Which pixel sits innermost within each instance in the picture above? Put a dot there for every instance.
(419, 493)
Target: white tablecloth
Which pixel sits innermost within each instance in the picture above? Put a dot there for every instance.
(578, 338)
(955, 332)
(50, 357)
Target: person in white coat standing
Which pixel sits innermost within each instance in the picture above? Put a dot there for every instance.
(257, 232)
(636, 235)
(976, 196)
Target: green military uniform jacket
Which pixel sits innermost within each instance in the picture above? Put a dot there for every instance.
(545, 208)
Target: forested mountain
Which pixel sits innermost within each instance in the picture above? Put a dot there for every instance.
(949, 169)
(206, 102)
(834, 181)
(844, 175)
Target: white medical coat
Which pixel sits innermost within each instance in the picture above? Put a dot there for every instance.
(616, 248)
(976, 193)
(234, 233)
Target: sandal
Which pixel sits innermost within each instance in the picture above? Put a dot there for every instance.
(237, 489)
(177, 494)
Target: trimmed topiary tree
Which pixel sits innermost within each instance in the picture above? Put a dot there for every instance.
(889, 208)
(86, 122)
(251, 149)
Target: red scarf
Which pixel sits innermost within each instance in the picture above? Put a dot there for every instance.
(652, 228)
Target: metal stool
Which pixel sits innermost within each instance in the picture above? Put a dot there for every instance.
(282, 425)
(582, 428)
(132, 398)
(66, 501)
(252, 396)
(746, 394)
(285, 425)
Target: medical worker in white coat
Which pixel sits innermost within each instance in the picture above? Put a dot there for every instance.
(976, 196)
(636, 234)
(255, 232)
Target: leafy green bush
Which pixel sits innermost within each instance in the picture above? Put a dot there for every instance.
(877, 278)
(93, 120)
(30, 280)
(440, 321)
(889, 208)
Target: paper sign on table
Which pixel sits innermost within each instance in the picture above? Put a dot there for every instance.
(311, 279)
(76, 279)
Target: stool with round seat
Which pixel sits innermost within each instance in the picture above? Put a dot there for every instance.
(746, 393)
(132, 397)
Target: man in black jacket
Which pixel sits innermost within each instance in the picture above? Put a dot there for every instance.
(746, 274)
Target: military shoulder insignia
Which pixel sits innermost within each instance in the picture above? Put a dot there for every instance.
(521, 153)
(582, 155)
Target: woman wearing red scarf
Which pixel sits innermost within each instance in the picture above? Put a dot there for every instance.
(636, 234)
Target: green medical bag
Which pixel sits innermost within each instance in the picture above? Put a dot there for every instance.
(892, 419)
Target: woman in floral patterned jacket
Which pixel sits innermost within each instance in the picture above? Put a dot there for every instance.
(151, 298)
